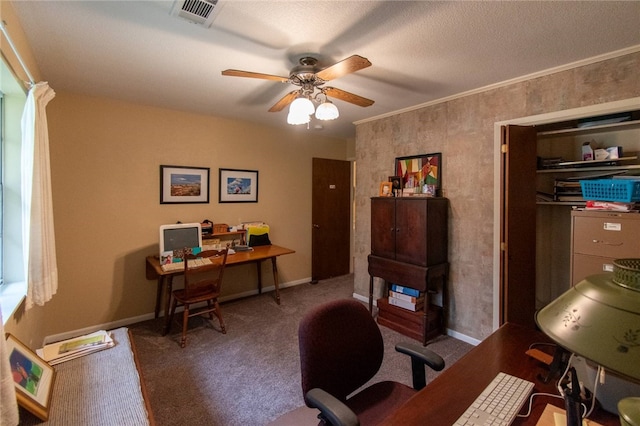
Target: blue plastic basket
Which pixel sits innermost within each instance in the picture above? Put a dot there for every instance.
(621, 190)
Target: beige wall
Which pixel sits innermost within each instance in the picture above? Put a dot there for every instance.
(105, 158)
(463, 130)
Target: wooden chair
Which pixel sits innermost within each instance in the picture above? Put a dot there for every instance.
(201, 284)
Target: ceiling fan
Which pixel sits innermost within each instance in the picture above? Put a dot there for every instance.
(310, 77)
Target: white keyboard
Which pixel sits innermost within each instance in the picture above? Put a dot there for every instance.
(499, 403)
(178, 266)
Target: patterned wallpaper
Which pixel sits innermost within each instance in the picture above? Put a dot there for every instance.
(463, 130)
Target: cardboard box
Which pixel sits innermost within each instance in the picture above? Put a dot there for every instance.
(600, 154)
(614, 152)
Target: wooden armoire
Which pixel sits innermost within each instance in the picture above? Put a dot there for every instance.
(409, 247)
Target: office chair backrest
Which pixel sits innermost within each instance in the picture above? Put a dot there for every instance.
(341, 348)
(207, 277)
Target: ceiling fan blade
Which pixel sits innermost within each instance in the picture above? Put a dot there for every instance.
(346, 66)
(286, 100)
(347, 97)
(249, 74)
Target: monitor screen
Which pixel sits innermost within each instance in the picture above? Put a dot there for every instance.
(179, 236)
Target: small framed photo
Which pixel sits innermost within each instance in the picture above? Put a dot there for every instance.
(386, 189)
(33, 378)
(184, 185)
(396, 185)
(238, 186)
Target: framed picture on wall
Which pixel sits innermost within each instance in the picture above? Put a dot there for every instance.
(238, 186)
(32, 376)
(420, 174)
(184, 185)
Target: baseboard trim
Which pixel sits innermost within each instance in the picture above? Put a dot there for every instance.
(132, 320)
(452, 333)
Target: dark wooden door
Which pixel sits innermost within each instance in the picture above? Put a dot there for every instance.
(383, 227)
(518, 225)
(330, 218)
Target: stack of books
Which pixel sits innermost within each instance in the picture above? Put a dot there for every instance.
(406, 298)
(567, 190)
(66, 350)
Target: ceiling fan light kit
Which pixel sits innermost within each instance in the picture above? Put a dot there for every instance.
(310, 78)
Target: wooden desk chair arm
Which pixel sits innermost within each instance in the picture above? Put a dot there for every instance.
(420, 356)
(332, 411)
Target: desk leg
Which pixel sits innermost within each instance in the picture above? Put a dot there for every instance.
(259, 265)
(275, 279)
(167, 303)
(159, 295)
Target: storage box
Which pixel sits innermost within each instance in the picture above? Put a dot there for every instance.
(620, 190)
(219, 228)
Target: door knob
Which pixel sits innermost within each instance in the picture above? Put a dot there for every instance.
(316, 226)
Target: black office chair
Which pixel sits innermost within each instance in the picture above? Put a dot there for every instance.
(341, 349)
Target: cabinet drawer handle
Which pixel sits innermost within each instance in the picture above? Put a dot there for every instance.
(607, 243)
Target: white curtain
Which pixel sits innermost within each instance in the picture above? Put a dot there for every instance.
(41, 271)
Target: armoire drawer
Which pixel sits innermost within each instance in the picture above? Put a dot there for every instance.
(614, 235)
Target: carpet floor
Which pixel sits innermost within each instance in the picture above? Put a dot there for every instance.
(251, 375)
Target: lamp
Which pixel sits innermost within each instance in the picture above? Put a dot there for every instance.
(327, 111)
(599, 319)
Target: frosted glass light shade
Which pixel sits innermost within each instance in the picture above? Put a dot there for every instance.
(327, 111)
(302, 105)
(298, 118)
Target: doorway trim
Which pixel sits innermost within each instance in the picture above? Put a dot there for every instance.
(569, 114)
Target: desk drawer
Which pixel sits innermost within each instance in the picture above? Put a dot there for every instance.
(612, 236)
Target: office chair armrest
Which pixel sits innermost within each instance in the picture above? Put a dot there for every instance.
(332, 411)
(420, 356)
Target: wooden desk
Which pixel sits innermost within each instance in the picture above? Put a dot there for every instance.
(444, 400)
(257, 255)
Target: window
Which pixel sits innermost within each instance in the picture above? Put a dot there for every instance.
(12, 100)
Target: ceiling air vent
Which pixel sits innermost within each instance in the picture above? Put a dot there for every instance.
(201, 12)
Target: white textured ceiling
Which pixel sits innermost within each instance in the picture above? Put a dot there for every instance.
(420, 51)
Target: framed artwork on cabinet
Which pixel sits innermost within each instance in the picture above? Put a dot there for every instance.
(386, 189)
(396, 185)
(184, 185)
(420, 174)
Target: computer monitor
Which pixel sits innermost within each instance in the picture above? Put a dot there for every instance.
(178, 236)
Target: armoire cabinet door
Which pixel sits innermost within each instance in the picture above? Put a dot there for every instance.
(383, 229)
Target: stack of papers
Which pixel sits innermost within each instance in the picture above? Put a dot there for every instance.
(610, 206)
(65, 350)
